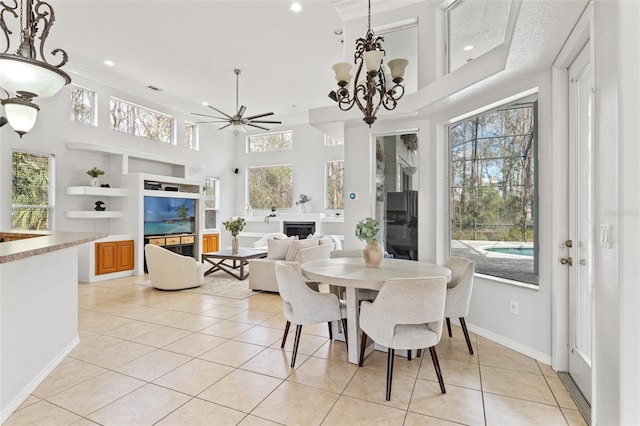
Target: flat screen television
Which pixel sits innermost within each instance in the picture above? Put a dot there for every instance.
(166, 215)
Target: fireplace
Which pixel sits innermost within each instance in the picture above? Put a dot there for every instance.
(301, 229)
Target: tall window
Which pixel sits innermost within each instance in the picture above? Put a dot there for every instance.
(335, 184)
(270, 141)
(32, 191)
(140, 121)
(211, 192)
(493, 192)
(191, 136)
(83, 106)
(271, 186)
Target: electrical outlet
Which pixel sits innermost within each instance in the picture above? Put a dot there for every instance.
(514, 307)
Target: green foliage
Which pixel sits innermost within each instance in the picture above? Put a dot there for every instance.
(335, 185)
(30, 191)
(95, 172)
(271, 186)
(182, 212)
(303, 199)
(367, 229)
(235, 226)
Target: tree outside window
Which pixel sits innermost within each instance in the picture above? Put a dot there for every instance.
(211, 196)
(83, 105)
(270, 141)
(31, 191)
(335, 184)
(492, 192)
(139, 121)
(191, 136)
(270, 186)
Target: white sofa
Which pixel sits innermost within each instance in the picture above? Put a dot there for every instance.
(262, 274)
(172, 271)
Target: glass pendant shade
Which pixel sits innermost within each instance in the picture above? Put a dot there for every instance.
(373, 59)
(22, 74)
(343, 71)
(398, 67)
(21, 114)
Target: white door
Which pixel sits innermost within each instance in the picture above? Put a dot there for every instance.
(581, 224)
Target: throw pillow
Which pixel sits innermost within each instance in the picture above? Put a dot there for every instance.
(277, 249)
(297, 245)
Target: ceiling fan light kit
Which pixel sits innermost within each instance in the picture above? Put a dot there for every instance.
(238, 122)
(369, 92)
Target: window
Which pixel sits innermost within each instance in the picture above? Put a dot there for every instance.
(83, 106)
(191, 136)
(139, 121)
(271, 186)
(330, 141)
(474, 27)
(32, 191)
(270, 141)
(211, 192)
(493, 192)
(335, 184)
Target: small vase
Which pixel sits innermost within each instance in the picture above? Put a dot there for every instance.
(234, 245)
(373, 254)
(94, 182)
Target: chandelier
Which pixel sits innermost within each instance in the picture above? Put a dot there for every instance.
(22, 74)
(370, 91)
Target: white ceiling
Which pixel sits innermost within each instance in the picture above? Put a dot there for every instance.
(190, 48)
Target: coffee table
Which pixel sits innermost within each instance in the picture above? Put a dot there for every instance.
(218, 258)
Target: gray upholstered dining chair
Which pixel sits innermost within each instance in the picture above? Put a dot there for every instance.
(303, 306)
(459, 293)
(407, 314)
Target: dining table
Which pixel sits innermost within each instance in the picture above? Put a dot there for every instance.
(353, 274)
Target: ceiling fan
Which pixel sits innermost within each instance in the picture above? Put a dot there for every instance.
(238, 121)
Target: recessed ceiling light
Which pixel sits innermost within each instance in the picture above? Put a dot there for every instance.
(296, 7)
(468, 48)
(109, 62)
(205, 103)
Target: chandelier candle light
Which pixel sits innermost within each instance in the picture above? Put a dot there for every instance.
(22, 74)
(371, 91)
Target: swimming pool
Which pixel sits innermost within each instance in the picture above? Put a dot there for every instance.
(520, 251)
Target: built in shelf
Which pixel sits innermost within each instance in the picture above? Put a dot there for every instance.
(89, 214)
(97, 191)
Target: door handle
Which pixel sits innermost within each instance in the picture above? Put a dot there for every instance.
(567, 261)
(568, 243)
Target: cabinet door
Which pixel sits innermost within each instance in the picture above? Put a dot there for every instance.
(125, 255)
(210, 243)
(106, 258)
(215, 242)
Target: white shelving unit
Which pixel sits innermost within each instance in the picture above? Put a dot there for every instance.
(95, 191)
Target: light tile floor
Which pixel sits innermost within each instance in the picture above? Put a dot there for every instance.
(180, 358)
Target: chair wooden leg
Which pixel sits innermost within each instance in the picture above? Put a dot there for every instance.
(344, 330)
(295, 345)
(436, 366)
(363, 346)
(390, 356)
(449, 326)
(330, 331)
(286, 332)
(419, 354)
(466, 334)
(408, 354)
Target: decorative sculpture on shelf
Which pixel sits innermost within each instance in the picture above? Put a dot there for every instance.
(100, 206)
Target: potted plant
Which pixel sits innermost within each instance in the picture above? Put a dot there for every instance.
(366, 230)
(94, 173)
(235, 226)
(303, 199)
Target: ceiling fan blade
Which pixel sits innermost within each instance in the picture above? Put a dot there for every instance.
(259, 115)
(266, 121)
(206, 115)
(241, 110)
(259, 127)
(215, 121)
(216, 109)
(225, 126)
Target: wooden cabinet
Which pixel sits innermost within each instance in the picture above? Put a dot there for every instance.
(114, 256)
(210, 243)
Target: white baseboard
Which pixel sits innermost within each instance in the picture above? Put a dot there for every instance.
(35, 382)
(511, 344)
